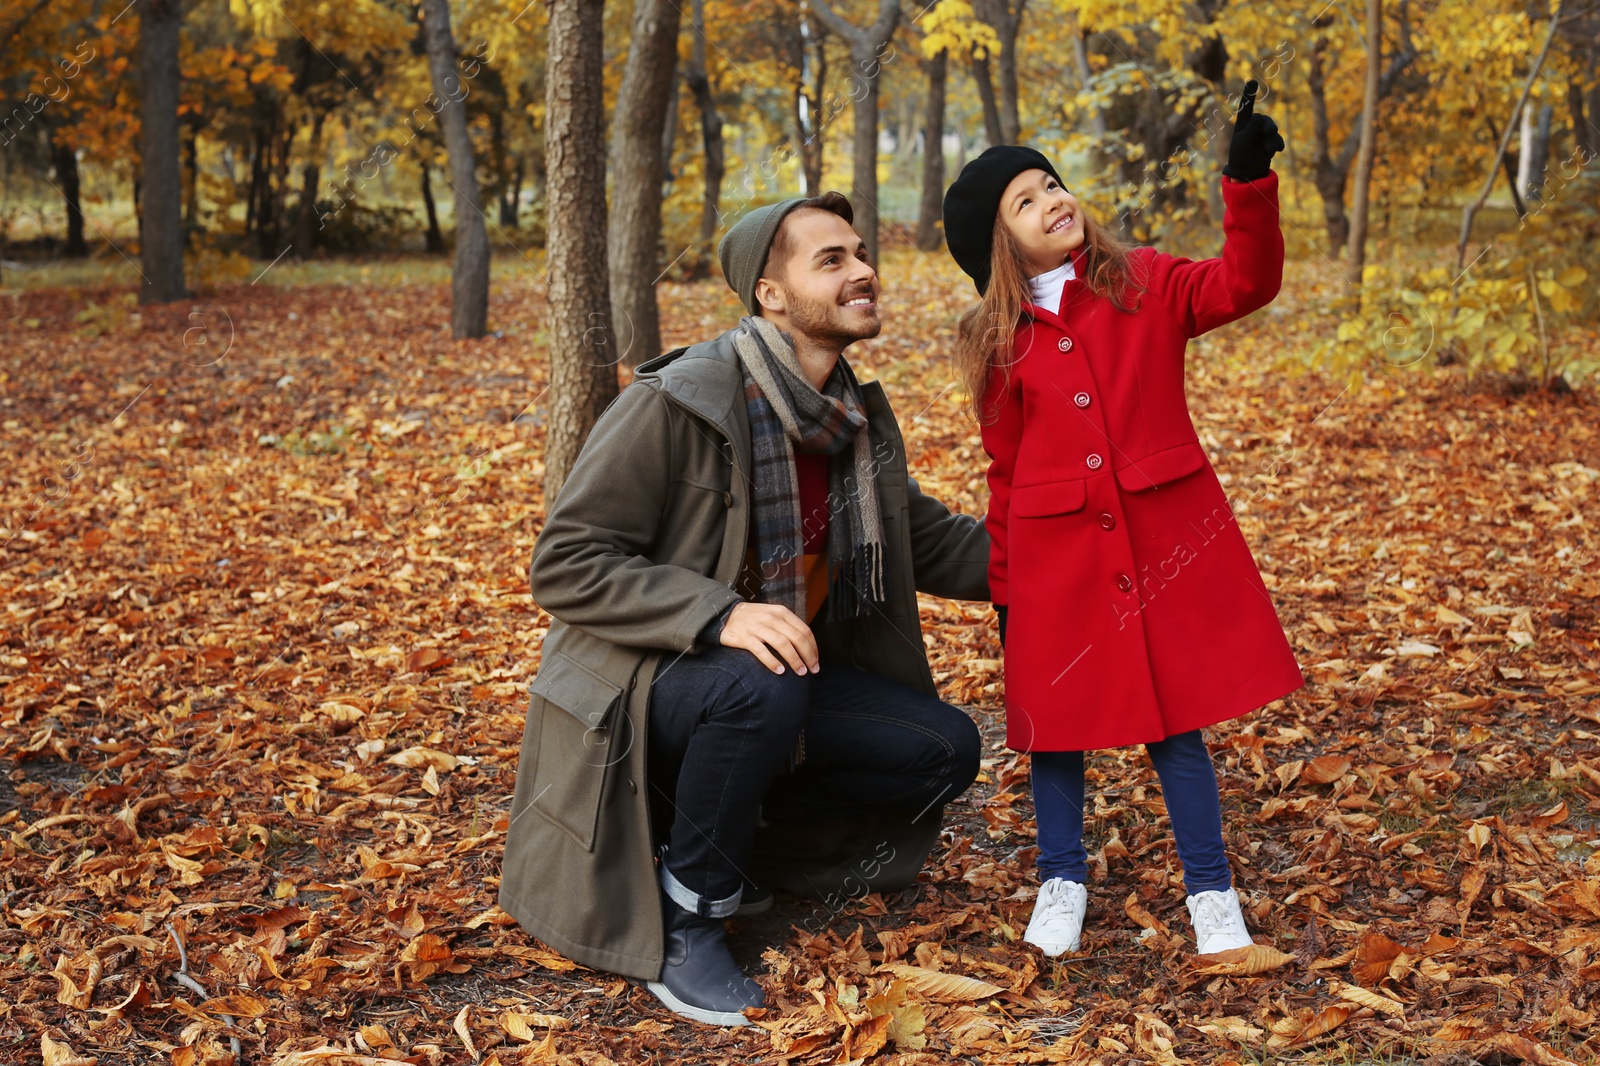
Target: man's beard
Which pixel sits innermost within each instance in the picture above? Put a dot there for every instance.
(832, 324)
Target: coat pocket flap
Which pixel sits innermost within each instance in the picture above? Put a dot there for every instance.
(1052, 498)
(1162, 467)
(576, 689)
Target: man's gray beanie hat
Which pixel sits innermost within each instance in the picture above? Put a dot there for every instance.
(743, 249)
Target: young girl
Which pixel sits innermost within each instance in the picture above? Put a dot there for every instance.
(1135, 611)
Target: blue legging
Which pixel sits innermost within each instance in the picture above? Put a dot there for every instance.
(1188, 784)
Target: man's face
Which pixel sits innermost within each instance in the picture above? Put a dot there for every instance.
(826, 288)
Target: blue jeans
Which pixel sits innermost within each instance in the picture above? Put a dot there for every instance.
(1188, 784)
(725, 750)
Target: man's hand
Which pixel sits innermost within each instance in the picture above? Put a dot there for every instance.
(1255, 140)
(764, 628)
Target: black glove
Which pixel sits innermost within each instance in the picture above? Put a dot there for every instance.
(1255, 140)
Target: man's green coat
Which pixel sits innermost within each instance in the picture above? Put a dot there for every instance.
(640, 551)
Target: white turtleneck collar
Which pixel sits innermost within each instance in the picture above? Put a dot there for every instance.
(1046, 288)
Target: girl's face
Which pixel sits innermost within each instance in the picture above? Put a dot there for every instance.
(1044, 219)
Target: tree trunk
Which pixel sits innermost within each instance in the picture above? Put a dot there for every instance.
(1591, 128)
(991, 109)
(1510, 169)
(257, 172)
(161, 212)
(511, 197)
(710, 125)
(864, 149)
(583, 377)
(905, 126)
(191, 182)
(307, 222)
(272, 190)
(933, 155)
(1583, 137)
(669, 122)
(633, 243)
(866, 52)
(1369, 142)
(65, 159)
(434, 237)
(1471, 209)
(1328, 174)
(1080, 56)
(498, 159)
(1536, 155)
(808, 104)
(469, 276)
(1007, 22)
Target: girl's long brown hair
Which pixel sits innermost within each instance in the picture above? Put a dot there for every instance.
(987, 331)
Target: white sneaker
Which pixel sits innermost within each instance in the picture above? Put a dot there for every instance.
(1218, 922)
(1057, 921)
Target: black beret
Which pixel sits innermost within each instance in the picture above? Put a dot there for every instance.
(973, 201)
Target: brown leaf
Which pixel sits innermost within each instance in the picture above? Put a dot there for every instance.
(867, 1039)
(1520, 1047)
(417, 758)
(1367, 998)
(240, 1005)
(1466, 1028)
(1472, 883)
(1330, 1018)
(942, 986)
(460, 1026)
(424, 659)
(426, 948)
(1374, 954)
(59, 1054)
(1141, 915)
(1257, 958)
(77, 990)
(540, 956)
(1325, 769)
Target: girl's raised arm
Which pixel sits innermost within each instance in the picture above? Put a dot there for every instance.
(1206, 294)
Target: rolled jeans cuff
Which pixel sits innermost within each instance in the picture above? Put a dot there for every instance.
(690, 900)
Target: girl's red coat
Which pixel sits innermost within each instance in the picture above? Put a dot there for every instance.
(1136, 611)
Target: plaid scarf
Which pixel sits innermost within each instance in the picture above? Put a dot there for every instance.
(787, 413)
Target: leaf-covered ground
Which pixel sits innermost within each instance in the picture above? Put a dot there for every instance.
(266, 633)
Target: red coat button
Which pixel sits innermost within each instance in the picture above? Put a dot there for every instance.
(1108, 521)
(1065, 344)
(1124, 582)
(1082, 399)
(1094, 462)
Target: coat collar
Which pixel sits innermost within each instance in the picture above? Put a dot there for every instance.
(706, 379)
(1071, 291)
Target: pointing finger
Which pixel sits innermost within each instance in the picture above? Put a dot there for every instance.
(1247, 104)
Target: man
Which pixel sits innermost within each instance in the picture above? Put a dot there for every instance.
(734, 693)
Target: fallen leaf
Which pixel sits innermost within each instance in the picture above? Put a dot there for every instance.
(460, 1026)
(1257, 958)
(416, 758)
(1366, 998)
(1325, 769)
(424, 659)
(60, 1054)
(942, 986)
